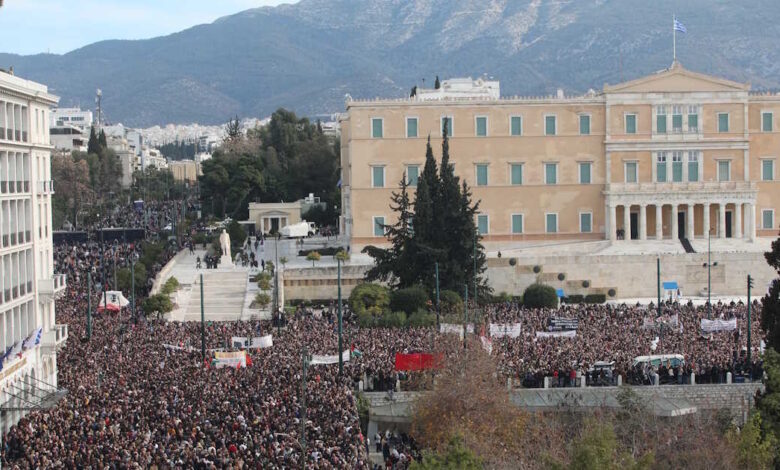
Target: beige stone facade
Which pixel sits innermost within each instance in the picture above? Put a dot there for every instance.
(671, 155)
(269, 217)
(185, 170)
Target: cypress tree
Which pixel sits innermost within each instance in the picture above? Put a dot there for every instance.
(102, 140)
(93, 146)
(770, 315)
(437, 83)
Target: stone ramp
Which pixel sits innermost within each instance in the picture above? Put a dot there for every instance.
(224, 292)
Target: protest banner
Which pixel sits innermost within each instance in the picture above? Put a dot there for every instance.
(329, 359)
(712, 326)
(229, 359)
(556, 334)
(416, 361)
(498, 330)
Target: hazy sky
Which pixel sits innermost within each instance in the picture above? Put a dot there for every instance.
(59, 26)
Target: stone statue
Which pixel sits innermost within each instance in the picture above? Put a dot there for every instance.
(224, 243)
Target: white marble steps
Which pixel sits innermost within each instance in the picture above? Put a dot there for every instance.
(224, 293)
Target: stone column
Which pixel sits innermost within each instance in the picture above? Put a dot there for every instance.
(627, 222)
(675, 226)
(752, 215)
(706, 222)
(612, 222)
(721, 220)
(738, 220)
(690, 224)
(643, 221)
(659, 223)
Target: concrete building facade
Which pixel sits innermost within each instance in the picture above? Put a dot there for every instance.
(29, 333)
(676, 154)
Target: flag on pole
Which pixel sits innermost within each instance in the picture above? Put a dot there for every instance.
(679, 26)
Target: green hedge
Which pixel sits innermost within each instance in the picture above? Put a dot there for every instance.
(540, 296)
(421, 318)
(595, 298)
(408, 300)
(451, 303)
(371, 298)
(574, 299)
(330, 251)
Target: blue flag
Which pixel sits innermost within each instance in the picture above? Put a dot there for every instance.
(679, 26)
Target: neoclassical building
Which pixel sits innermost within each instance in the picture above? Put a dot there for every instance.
(673, 155)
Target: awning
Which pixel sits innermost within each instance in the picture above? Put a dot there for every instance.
(32, 394)
(670, 285)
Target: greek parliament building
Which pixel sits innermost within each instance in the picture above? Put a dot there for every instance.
(29, 334)
(671, 155)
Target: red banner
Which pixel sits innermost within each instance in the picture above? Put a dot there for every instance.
(418, 361)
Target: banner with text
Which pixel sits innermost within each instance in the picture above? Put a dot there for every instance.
(329, 359)
(556, 334)
(252, 343)
(233, 359)
(711, 326)
(455, 328)
(563, 324)
(513, 330)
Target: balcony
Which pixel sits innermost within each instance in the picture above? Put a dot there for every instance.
(46, 187)
(51, 287)
(54, 338)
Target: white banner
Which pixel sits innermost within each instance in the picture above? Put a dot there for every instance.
(656, 322)
(512, 330)
(556, 334)
(710, 326)
(253, 343)
(173, 347)
(331, 359)
(455, 328)
(230, 359)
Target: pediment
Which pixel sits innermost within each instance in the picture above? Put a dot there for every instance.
(677, 80)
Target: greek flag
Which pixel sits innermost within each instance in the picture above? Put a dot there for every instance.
(679, 26)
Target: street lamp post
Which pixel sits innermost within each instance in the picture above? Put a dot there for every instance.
(341, 361)
(749, 355)
(305, 360)
(438, 306)
(709, 264)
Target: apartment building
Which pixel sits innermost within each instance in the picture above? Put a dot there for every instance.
(29, 333)
(676, 154)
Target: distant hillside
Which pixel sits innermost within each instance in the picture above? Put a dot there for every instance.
(308, 56)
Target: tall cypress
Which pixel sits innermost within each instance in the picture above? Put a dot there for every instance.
(93, 146)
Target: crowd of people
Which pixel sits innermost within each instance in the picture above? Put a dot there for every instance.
(134, 403)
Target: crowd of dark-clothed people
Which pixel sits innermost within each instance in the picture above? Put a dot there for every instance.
(134, 403)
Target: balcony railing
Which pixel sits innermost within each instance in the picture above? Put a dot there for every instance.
(52, 286)
(55, 337)
(46, 187)
(719, 186)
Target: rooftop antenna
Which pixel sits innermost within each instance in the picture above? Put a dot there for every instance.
(98, 99)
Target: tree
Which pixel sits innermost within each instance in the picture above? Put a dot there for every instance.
(125, 278)
(160, 303)
(342, 256)
(73, 186)
(232, 130)
(284, 261)
(313, 256)
(455, 456)
(597, 449)
(102, 140)
(437, 83)
(262, 299)
(93, 146)
(755, 448)
(770, 314)
(469, 400)
(408, 300)
(237, 234)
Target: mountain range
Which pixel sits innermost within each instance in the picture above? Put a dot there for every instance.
(306, 57)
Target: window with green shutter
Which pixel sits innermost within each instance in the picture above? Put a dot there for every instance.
(630, 123)
(584, 124)
(482, 175)
(677, 167)
(481, 125)
(693, 166)
(517, 223)
(767, 219)
(724, 171)
(516, 125)
(631, 172)
(379, 226)
(586, 222)
(551, 173)
(723, 122)
(378, 176)
(412, 174)
(551, 223)
(482, 224)
(677, 122)
(377, 130)
(766, 122)
(585, 173)
(411, 128)
(549, 125)
(660, 123)
(767, 170)
(693, 123)
(446, 125)
(516, 171)
(660, 170)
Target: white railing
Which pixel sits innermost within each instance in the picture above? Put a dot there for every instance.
(53, 285)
